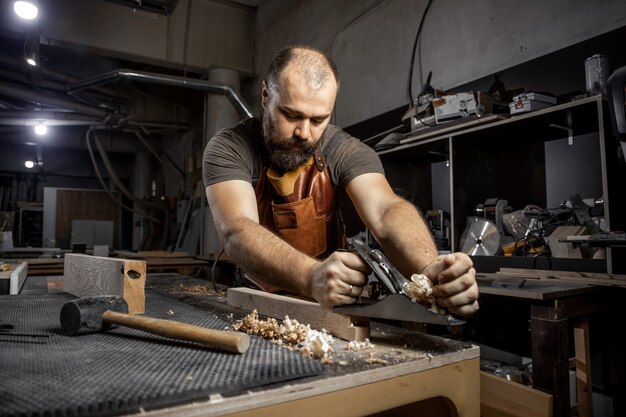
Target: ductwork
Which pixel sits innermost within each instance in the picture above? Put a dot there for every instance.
(170, 80)
(30, 118)
(49, 100)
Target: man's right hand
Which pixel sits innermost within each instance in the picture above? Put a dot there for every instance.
(339, 279)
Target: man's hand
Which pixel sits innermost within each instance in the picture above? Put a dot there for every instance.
(339, 279)
(455, 283)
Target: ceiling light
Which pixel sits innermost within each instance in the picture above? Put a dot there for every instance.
(29, 164)
(31, 61)
(25, 9)
(41, 129)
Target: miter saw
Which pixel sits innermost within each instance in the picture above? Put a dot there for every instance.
(480, 237)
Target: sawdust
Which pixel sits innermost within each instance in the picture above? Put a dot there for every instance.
(374, 359)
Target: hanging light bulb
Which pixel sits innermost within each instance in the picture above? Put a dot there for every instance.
(41, 129)
(29, 164)
(30, 60)
(27, 10)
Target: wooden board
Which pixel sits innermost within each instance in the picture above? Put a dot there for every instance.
(306, 312)
(86, 275)
(579, 277)
(537, 289)
(18, 276)
(13, 278)
(502, 398)
(151, 254)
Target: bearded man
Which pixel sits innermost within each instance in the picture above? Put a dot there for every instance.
(275, 187)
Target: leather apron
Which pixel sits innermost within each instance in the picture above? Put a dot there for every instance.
(301, 207)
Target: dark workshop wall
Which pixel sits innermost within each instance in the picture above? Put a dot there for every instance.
(461, 41)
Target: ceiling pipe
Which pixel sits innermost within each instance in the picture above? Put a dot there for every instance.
(170, 80)
(49, 100)
(30, 118)
(65, 79)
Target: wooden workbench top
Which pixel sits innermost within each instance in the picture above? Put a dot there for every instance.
(402, 368)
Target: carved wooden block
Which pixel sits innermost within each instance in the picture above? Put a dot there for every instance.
(87, 276)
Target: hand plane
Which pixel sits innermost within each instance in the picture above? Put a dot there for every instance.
(389, 300)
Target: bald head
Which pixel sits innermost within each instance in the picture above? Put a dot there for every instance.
(311, 65)
(298, 98)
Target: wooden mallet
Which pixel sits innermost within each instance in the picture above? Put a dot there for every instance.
(95, 314)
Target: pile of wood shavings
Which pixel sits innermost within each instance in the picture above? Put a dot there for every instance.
(199, 289)
(290, 333)
(420, 290)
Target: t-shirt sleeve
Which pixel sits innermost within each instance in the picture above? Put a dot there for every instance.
(226, 157)
(351, 159)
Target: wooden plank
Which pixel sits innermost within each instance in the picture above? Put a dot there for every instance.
(566, 276)
(86, 275)
(306, 312)
(151, 254)
(502, 398)
(18, 276)
(583, 367)
(564, 249)
(163, 254)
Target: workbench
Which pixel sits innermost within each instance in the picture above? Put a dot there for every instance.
(559, 315)
(179, 264)
(411, 371)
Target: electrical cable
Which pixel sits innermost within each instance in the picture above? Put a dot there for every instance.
(213, 270)
(173, 165)
(105, 188)
(417, 36)
(163, 207)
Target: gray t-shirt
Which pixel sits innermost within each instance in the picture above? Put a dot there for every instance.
(235, 154)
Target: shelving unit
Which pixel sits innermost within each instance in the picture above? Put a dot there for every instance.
(521, 159)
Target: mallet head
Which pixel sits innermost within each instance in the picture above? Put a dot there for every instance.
(84, 315)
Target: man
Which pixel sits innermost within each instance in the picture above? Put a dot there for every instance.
(274, 189)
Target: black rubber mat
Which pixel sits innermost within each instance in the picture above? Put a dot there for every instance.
(123, 370)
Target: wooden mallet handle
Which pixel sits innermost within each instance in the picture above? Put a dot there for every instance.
(231, 341)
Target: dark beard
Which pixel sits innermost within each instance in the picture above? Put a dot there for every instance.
(286, 154)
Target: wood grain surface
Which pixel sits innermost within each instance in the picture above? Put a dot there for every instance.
(86, 276)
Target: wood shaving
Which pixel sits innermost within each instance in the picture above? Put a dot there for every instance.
(5, 266)
(375, 360)
(199, 289)
(290, 333)
(355, 346)
(420, 290)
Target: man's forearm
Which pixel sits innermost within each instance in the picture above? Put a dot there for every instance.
(268, 258)
(405, 238)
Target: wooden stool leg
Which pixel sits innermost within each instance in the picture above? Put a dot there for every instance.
(583, 367)
(550, 358)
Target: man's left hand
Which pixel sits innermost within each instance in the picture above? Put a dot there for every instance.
(454, 283)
